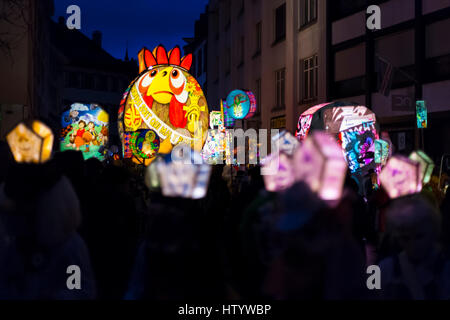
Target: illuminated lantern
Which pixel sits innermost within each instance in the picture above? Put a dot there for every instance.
(215, 120)
(381, 151)
(401, 176)
(253, 105)
(278, 172)
(333, 118)
(151, 178)
(183, 174)
(421, 115)
(241, 104)
(31, 144)
(426, 165)
(319, 162)
(229, 121)
(144, 144)
(166, 99)
(85, 127)
(285, 142)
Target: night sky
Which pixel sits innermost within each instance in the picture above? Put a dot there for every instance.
(140, 22)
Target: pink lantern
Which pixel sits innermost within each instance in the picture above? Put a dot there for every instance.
(278, 172)
(400, 177)
(320, 163)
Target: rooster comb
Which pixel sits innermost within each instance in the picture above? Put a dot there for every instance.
(159, 56)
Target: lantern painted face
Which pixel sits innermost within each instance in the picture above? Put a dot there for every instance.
(165, 98)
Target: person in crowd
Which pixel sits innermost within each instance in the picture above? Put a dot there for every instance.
(420, 271)
(174, 262)
(314, 257)
(39, 217)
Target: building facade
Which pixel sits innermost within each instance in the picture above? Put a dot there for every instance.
(276, 49)
(412, 41)
(89, 74)
(28, 73)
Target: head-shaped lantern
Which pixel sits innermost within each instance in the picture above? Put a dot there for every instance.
(183, 173)
(31, 144)
(285, 142)
(426, 165)
(164, 98)
(401, 177)
(278, 172)
(320, 163)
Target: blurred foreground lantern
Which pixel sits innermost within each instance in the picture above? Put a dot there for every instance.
(426, 165)
(320, 163)
(278, 172)
(381, 151)
(285, 142)
(401, 177)
(151, 179)
(31, 144)
(183, 174)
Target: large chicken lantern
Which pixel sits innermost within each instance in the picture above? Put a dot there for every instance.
(164, 104)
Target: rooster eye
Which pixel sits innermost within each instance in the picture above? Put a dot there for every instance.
(177, 79)
(153, 73)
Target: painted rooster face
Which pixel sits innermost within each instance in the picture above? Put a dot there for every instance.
(166, 85)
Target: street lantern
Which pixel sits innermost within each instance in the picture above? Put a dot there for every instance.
(31, 144)
(278, 172)
(401, 177)
(426, 165)
(381, 151)
(183, 174)
(285, 142)
(320, 163)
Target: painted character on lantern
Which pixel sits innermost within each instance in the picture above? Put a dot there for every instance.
(165, 82)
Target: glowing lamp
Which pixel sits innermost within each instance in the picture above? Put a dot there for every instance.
(183, 174)
(401, 177)
(285, 142)
(320, 163)
(31, 144)
(381, 151)
(278, 172)
(426, 165)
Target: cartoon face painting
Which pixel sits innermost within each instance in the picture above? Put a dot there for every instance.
(165, 98)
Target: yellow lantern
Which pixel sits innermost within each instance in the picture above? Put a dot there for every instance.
(31, 144)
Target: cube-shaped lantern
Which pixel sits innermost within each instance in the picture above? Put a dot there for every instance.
(151, 179)
(381, 151)
(320, 163)
(185, 177)
(285, 142)
(31, 144)
(277, 172)
(401, 177)
(426, 165)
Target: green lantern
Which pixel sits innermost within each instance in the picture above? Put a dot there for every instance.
(426, 165)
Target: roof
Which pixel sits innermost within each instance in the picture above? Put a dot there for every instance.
(81, 51)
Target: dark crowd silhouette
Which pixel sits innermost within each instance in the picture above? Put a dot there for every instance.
(238, 243)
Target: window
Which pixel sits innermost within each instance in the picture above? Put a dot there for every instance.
(280, 23)
(258, 37)
(87, 81)
(101, 83)
(309, 83)
(280, 88)
(307, 12)
(72, 80)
